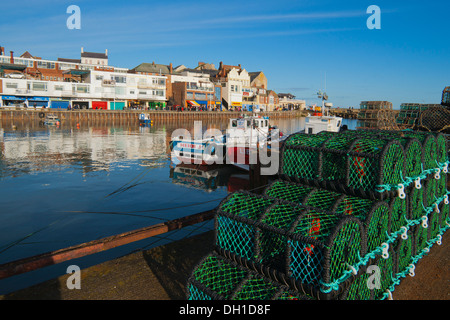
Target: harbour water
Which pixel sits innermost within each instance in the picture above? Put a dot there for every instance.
(66, 185)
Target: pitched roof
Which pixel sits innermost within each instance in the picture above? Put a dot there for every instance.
(69, 60)
(26, 54)
(94, 55)
(152, 68)
(253, 75)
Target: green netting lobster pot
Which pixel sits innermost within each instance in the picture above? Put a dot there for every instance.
(375, 162)
(404, 252)
(429, 150)
(400, 212)
(444, 208)
(413, 157)
(441, 148)
(235, 223)
(376, 225)
(415, 203)
(285, 190)
(358, 289)
(430, 191)
(214, 277)
(334, 160)
(322, 246)
(420, 238)
(441, 184)
(300, 157)
(386, 270)
(322, 199)
(218, 278)
(350, 205)
(434, 223)
(272, 234)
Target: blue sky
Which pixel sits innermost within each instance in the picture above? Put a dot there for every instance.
(297, 44)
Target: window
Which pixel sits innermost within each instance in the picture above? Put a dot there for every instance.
(11, 85)
(189, 95)
(200, 96)
(59, 88)
(39, 86)
(120, 79)
(100, 78)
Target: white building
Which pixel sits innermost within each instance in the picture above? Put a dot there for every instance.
(84, 84)
(238, 82)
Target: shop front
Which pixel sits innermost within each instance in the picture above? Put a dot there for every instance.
(80, 104)
(100, 105)
(117, 105)
(156, 105)
(26, 102)
(59, 104)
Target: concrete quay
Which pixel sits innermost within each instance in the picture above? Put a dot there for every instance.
(161, 273)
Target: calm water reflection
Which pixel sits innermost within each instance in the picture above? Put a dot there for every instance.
(65, 186)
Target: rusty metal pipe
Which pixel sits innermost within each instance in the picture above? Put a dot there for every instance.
(54, 257)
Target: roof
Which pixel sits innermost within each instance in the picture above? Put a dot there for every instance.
(26, 54)
(9, 66)
(254, 75)
(94, 55)
(69, 60)
(210, 72)
(152, 68)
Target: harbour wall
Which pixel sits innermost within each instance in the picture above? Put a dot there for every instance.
(133, 115)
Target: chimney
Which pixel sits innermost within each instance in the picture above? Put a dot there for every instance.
(239, 65)
(170, 68)
(12, 57)
(106, 52)
(82, 50)
(220, 65)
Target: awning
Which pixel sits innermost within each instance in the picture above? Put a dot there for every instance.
(236, 104)
(193, 103)
(14, 98)
(76, 72)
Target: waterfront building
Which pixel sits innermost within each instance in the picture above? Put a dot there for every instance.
(232, 79)
(31, 81)
(289, 102)
(194, 89)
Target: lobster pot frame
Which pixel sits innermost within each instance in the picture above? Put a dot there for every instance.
(424, 148)
(415, 199)
(404, 252)
(235, 223)
(411, 146)
(420, 238)
(400, 212)
(375, 215)
(218, 278)
(376, 225)
(365, 285)
(444, 217)
(326, 200)
(345, 163)
(322, 255)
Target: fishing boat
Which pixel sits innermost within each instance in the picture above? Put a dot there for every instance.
(204, 151)
(320, 120)
(51, 120)
(247, 136)
(145, 120)
(243, 134)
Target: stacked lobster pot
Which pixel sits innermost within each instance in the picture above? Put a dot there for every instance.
(348, 218)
